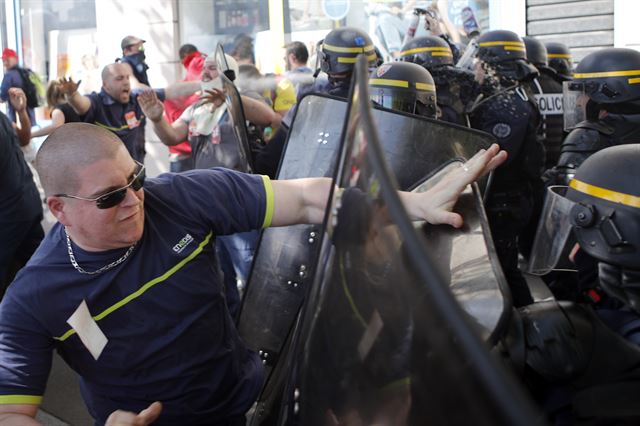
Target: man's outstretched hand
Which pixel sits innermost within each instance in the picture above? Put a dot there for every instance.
(18, 99)
(436, 204)
(151, 105)
(143, 418)
(67, 86)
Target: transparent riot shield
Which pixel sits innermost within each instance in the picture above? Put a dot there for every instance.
(223, 66)
(467, 259)
(382, 339)
(554, 237)
(233, 129)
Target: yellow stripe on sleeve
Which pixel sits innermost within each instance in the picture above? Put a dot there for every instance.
(20, 399)
(270, 199)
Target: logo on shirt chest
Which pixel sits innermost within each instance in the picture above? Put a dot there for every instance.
(131, 119)
(183, 243)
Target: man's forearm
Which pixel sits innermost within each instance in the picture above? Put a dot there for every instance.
(259, 112)
(79, 103)
(167, 134)
(300, 200)
(181, 88)
(24, 127)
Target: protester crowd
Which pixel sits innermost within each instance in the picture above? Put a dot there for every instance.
(183, 242)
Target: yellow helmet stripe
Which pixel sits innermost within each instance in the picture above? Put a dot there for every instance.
(426, 86)
(520, 49)
(425, 49)
(634, 80)
(339, 49)
(353, 60)
(559, 56)
(606, 74)
(501, 43)
(605, 194)
(388, 82)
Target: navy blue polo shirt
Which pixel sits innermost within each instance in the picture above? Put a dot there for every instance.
(127, 121)
(170, 335)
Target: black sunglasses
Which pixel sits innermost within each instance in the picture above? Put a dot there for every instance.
(115, 197)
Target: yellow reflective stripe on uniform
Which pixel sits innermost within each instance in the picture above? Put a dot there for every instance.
(426, 86)
(388, 82)
(501, 43)
(270, 199)
(634, 80)
(145, 287)
(607, 74)
(113, 129)
(20, 399)
(605, 194)
(339, 49)
(425, 49)
(353, 60)
(518, 48)
(559, 56)
(442, 54)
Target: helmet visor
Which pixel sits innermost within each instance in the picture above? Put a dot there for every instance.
(554, 238)
(574, 103)
(395, 99)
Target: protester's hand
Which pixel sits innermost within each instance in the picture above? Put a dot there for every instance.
(436, 204)
(67, 86)
(213, 96)
(143, 418)
(18, 99)
(151, 105)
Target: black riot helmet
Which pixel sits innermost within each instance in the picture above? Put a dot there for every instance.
(499, 46)
(341, 47)
(428, 51)
(609, 76)
(606, 216)
(404, 86)
(559, 58)
(506, 53)
(536, 52)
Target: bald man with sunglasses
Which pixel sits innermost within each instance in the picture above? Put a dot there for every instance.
(122, 285)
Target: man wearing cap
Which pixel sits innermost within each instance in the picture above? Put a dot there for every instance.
(133, 55)
(12, 78)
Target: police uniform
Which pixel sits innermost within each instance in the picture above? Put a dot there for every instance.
(512, 117)
(547, 89)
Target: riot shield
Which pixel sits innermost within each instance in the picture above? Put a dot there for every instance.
(284, 262)
(234, 128)
(382, 339)
(467, 259)
(223, 66)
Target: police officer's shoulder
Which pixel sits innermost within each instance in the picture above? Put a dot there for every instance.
(598, 126)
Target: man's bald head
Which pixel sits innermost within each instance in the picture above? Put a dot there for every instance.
(70, 148)
(115, 81)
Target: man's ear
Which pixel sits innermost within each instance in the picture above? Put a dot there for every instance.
(58, 208)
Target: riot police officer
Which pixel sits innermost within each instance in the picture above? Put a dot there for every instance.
(506, 108)
(560, 59)
(403, 86)
(586, 362)
(337, 55)
(455, 87)
(548, 93)
(605, 95)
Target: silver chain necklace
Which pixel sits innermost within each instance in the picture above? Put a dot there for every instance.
(113, 264)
